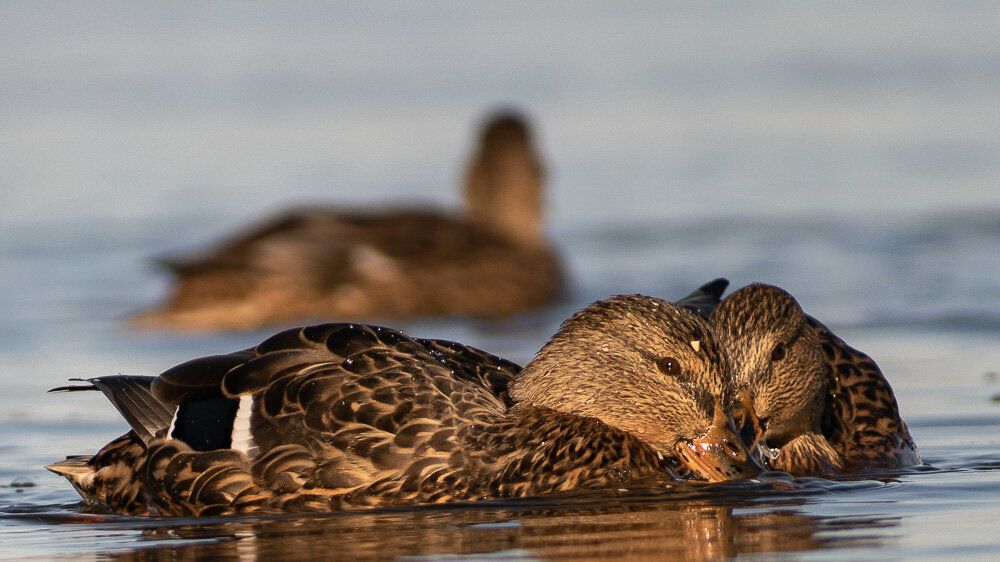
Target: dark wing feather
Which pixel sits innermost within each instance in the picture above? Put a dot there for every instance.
(467, 362)
(705, 298)
(336, 377)
(198, 379)
(132, 397)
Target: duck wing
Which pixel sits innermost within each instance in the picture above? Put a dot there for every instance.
(323, 378)
(314, 414)
(323, 244)
(861, 418)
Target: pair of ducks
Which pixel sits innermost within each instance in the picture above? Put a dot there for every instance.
(338, 416)
(631, 389)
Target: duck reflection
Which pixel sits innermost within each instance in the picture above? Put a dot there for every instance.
(625, 526)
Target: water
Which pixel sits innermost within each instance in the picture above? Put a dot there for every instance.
(848, 153)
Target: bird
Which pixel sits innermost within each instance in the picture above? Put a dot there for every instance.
(820, 406)
(492, 260)
(347, 416)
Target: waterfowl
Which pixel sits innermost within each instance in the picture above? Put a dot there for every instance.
(341, 416)
(493, 260)
(823, 406)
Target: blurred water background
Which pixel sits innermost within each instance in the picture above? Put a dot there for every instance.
(846, 151)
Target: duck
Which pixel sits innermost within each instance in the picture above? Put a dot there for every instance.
(490, 261)
(820, 406)
(346, 416)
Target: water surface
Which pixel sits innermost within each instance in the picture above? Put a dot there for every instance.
(848, 153)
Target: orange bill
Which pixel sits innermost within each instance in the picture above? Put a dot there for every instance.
(720, 454)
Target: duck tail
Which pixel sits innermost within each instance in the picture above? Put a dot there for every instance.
(80, 474)
(111, 477)
(73, 469)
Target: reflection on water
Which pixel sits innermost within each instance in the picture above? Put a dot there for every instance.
(692, 522)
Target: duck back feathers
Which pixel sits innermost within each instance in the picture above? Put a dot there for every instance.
(861, 416)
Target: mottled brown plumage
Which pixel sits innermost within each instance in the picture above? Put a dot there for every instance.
(493, 260)
(826, 407)
(345, 416)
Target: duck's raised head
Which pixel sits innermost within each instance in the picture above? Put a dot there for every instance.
(647, 367)
(777, 357)
(503, 184)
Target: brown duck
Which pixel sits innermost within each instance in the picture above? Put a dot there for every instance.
(344, 415)
(491, 261)
(824, 407)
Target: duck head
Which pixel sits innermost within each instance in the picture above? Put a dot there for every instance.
(503, 184)
(647, 367)
(777, 359)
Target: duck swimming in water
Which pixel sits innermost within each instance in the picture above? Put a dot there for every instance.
(343, 416)
(825, 407)
(493, 260)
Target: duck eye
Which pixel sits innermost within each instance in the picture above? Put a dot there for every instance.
(778, 353)
(669, 366)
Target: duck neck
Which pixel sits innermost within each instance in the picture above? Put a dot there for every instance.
(503, 193)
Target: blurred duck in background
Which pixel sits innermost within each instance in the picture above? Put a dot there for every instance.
(491, 261)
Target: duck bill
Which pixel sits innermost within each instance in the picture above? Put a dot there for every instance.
(751, 430)
(749, 425)
(720, 454)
